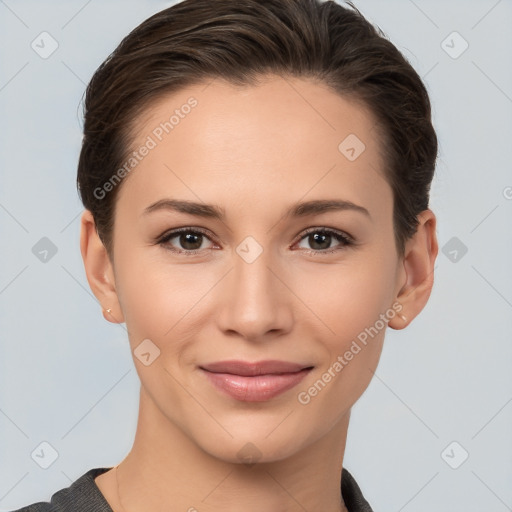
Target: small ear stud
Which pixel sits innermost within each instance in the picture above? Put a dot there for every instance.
(109, 310)
(403, 317)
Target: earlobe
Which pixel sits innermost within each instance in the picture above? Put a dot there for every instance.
(419, 259)
(98, 269)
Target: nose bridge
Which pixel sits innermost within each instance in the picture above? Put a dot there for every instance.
(255, 302)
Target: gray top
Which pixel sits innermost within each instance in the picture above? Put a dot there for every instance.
(83, 495)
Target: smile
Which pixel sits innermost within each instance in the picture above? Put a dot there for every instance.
(254, 382)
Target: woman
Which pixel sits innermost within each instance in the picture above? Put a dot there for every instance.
(256, 179)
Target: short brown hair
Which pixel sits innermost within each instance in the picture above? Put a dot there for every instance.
(238, 41)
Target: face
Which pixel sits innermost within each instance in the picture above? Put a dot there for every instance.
(265, 279)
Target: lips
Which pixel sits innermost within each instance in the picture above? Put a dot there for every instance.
(254, 381)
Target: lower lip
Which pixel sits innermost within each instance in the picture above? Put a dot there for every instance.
(258, 388)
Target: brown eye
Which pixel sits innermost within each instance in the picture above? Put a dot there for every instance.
(320, 240)
(188, 240)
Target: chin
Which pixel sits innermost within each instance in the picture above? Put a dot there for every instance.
(253, 445)
(249, 452)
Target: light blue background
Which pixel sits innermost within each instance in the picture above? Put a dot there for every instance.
(66, 375)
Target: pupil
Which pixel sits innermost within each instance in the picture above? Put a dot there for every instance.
(314, 238)
(187, 240)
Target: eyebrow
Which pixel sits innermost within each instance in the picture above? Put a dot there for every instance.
(303, 209)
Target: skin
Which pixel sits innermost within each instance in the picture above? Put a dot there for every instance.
(254, 151)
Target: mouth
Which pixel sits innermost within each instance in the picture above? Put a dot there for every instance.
(254, 381)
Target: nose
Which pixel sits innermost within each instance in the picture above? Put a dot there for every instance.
(256, 303)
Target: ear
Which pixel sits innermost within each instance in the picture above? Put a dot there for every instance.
(99, 269)
(418, 268)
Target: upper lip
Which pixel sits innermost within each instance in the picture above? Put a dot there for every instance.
(246, 368)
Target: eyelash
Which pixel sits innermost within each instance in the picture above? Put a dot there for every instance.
(339, 236)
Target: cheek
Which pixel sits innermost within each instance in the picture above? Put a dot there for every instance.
(162, 301)
(352, 352)
(344, 299)
(353, 301)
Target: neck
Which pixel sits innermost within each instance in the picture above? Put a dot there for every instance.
(166, 468)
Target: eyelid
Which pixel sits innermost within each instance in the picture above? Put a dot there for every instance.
(171, 233)
(325, 229)
(346, 241)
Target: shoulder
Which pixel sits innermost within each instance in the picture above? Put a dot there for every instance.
(83, 495)
(352, 494)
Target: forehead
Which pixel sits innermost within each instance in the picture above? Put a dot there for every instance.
(279, 140)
